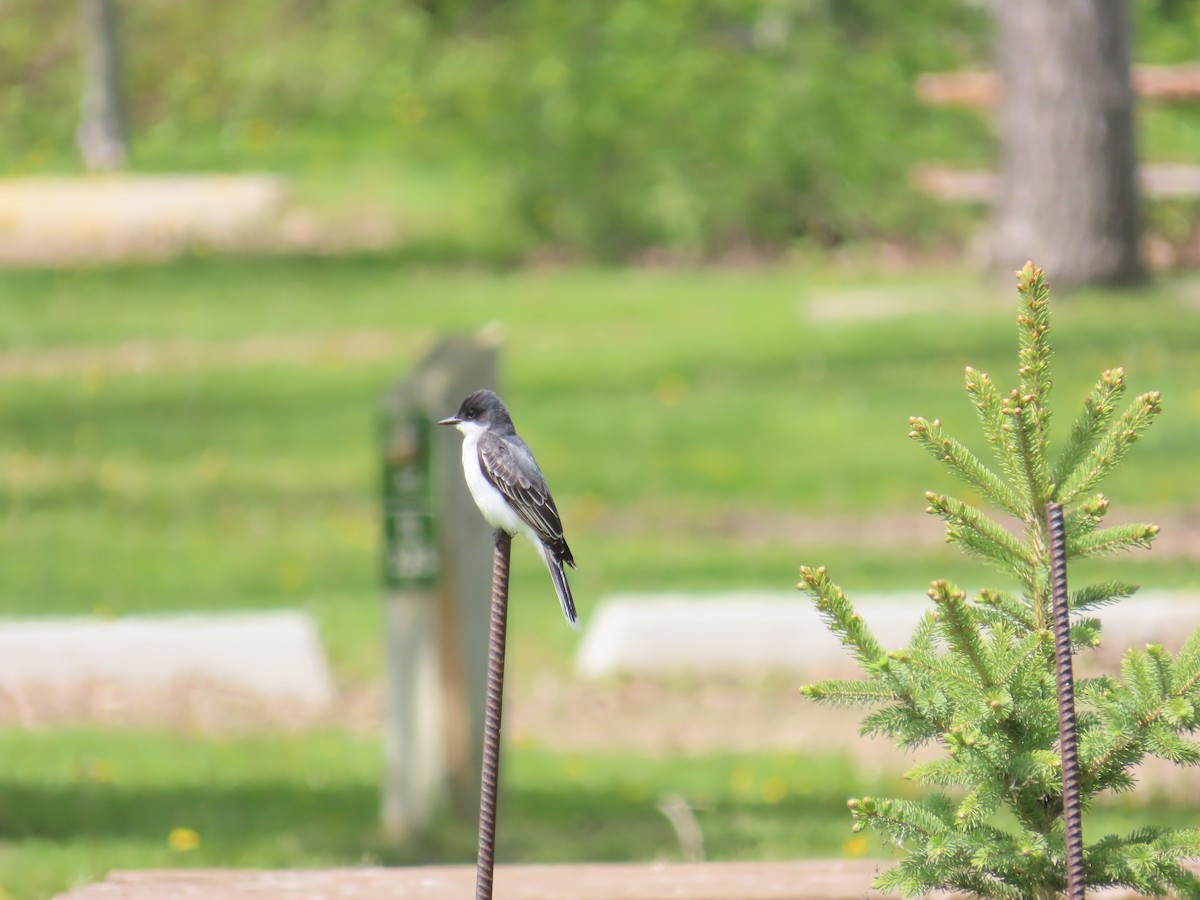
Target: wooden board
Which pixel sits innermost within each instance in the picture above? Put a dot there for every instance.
(981, 90)
(1160, 181)
(809, 880)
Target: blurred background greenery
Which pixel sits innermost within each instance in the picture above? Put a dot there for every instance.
(199, 435)
(694, 129)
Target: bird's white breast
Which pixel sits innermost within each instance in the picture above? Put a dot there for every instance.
(492, 504)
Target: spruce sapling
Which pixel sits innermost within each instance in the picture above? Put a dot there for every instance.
(977, 677)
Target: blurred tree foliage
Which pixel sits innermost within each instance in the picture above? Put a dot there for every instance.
(700, 125)
(696, 125)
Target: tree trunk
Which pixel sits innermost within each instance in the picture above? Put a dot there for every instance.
(1069, 196)
(102, 121)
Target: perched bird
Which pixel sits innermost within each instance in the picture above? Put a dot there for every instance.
(509, 488)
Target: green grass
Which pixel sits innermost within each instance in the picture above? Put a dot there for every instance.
(661, 404)
(74, 805)
(77, 804)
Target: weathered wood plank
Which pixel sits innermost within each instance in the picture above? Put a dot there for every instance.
(808, 880)
(848, 880)
(981, 90)
(1160, 181)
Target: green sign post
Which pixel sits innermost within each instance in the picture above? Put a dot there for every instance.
(435, 562)
(410, 551)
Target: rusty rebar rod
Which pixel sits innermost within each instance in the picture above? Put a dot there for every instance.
(1067, 743)
(490, 779)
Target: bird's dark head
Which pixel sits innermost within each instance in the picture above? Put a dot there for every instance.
(481, 410)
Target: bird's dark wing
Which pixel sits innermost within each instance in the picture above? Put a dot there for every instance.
(518, 478)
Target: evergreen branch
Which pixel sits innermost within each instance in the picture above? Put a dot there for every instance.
(903, 724)
(1034, 329)
(1187, 665)
(1031, 449)
(841, 617)
(1162, 742)
(910, 878)
(903, 820)
(1027, 648)
(1028, 403)
(1098, 411)
(1111, 447)
(1008, 607)
(1094, 691)
(943, 772)
(925, 635)
(1180, 713)
(1183, 684)
(982, 390)
(1085, 633)
(980, 803)
(968, 526)
(1102, 593)
(1142, 678)
(1040, 594)
(1128, 742)
(1033, 464)
(998, 428)
(1111, 540)
(964, 463)
(937, 667)
(960, 628)
(1161, 666)
(849, 692)
(1086, 517)
(1148, 861)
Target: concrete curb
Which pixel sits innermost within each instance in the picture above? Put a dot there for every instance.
(751, 632)
(276, 654)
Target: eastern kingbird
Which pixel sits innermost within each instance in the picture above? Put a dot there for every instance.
(509, 488)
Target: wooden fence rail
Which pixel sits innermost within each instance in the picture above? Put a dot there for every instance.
(981, 91)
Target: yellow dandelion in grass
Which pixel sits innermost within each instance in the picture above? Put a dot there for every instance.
(182, 840)
(96, 771)
(635, 793)
(742, 780)
(575, 768)
(4, 894)
(856, 846)
(259, 134)
(91, 382)
(293, 576)
(774, 790)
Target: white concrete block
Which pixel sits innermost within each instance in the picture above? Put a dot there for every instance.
(758, 631)
(276, 654)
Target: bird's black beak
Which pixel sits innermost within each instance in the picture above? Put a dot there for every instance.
(453, 420)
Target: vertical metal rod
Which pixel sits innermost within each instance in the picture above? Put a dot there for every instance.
(490, 779)
(1067, 745)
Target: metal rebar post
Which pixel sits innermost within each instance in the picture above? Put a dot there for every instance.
(490, 779)
(1068, 747)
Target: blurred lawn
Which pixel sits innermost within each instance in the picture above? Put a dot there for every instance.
(660, 403)
(74, 805)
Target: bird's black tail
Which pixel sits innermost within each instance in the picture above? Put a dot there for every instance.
(558, 575)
